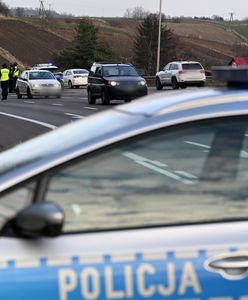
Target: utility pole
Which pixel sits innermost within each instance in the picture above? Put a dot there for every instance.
(42, 11)
(159, 34)
(231, 16)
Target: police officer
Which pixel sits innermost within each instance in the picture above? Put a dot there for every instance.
(16, 73)
(4, 78)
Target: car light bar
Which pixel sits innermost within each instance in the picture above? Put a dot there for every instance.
(236, 77)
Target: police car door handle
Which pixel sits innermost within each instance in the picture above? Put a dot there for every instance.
(230, 266)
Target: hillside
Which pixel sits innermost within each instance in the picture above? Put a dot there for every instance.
(33, 40)
(27, 43)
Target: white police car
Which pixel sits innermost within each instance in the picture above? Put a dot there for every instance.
(145, 201)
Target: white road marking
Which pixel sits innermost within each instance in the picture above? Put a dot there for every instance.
(75, 115)
(57, 104)
(26, 101)
(29, 120)
(150, 165)
(197, 144)
(87, 107)
(243, 154)
(186, 174)
(76, 209)
(137, 157)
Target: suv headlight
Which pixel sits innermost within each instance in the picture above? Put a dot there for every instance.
(142, 82)
(113, 83)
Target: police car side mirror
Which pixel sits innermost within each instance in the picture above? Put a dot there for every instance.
(38, 220)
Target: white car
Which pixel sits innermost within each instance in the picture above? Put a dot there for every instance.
(37, 83)
(75, 78)
(181, 74)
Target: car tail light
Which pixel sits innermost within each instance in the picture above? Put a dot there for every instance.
(182, 72)
(76, 76)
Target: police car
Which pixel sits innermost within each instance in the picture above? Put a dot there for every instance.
(52, 68)
(145, 201)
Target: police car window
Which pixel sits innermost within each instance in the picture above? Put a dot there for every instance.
(194, 173)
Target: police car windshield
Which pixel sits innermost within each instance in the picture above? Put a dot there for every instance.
(119, 71)
(40, 75)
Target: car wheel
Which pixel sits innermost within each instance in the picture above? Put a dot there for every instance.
(159, 86)
(127, 100)
(174, 83)
(105, 98)
(77, 87)
(201, 84)
(70, 85)
(19, 96)
(58, 96)
(183, 86)
(91, 99)
(29, 94)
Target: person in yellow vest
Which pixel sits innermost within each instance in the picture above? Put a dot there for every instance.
(16, 73)
(4, 78)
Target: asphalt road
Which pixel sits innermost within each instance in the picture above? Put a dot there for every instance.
(22, 119)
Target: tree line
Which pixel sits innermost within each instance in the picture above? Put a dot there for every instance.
(87, 47)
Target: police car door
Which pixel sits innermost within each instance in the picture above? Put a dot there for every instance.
(153, 217)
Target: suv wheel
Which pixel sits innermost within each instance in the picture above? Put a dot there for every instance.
(19, 96)
(105, 98)
(174, 83)
(29, 94)
(183, 86)
(158, 84)
(70, 85)
(91, 99)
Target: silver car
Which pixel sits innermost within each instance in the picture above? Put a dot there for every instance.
(37, 83)
(145, 201)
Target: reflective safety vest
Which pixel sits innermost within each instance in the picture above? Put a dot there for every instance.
(4, 74)
(16, 72)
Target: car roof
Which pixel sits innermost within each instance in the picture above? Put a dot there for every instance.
(147, 114)
(185, 62)
(38, 70)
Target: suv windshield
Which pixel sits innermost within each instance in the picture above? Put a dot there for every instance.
(119, 71)
(40, 75)
(191, 66)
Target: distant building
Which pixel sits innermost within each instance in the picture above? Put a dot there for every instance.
(238, 61)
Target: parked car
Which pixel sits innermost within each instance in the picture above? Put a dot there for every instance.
(181, 74)
(75, 78)
(37, 83)
(114, 82)
(148, 200)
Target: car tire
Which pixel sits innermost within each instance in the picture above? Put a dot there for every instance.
(183, 86)
(58, 96)
(91, 99)
(159, 86)
(127, 100)
(77, 86)
(19, 96)
(105, 98)
(201, 84)
(29, 94)
(70, 85)
(174, 83)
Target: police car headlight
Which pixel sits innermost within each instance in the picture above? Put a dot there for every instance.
(142, 82)
(33, 86)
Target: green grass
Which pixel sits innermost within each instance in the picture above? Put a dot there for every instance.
(241, 28)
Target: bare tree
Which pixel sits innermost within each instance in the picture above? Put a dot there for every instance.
(137, 12)
(4, 10)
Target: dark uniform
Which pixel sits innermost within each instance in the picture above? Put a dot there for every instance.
(4, 78)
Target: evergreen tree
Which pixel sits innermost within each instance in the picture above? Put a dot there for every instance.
(146, 45)
(85, 49)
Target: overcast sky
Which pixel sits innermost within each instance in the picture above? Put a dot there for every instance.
(116, 8)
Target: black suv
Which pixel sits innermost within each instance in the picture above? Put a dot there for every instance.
(114, 82)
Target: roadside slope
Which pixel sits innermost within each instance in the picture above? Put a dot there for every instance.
(29, 43)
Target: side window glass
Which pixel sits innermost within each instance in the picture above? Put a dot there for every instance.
(14, 201)
(98, 72)
(194, 173)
